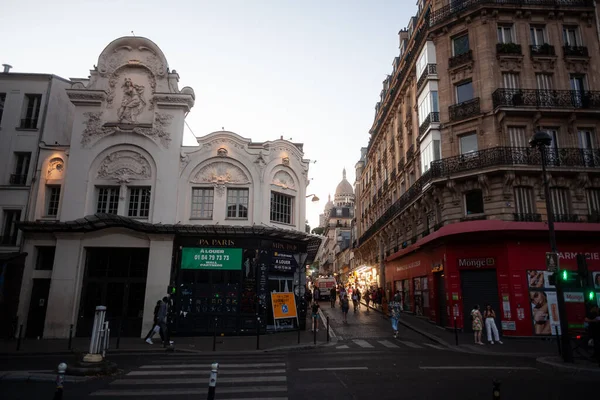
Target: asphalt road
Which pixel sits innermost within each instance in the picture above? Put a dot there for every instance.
(368, 363)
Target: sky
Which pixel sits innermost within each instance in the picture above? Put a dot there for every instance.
(307, 70)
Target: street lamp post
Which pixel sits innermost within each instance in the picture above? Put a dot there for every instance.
(542, 140)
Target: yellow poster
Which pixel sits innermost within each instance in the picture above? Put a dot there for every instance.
(284, 305)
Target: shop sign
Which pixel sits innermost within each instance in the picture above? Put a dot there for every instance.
(574, 297)
(216, 242)
(408, 266)
(509, 326)
(211, 258)
(476, 262)
(284, 305)
(283, 262)
(552, 261)
(572, 255)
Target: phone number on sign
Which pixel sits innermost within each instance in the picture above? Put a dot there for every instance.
(211, 257)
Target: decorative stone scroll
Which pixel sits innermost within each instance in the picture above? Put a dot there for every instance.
(55, 168)
(95, 129)
(123, 166)
(220, 174)
(284, 180)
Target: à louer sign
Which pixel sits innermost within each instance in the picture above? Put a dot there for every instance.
(211, 258)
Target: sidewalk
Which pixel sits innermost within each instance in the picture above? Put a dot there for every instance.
(515, 347)
(196, 344)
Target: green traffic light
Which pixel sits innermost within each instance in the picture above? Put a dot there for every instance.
(591, 295)
(565, 275)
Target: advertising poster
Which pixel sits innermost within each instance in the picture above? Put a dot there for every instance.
(539, 279)
(211, 258)
(283, 262)
(596, 279)
(544, 312)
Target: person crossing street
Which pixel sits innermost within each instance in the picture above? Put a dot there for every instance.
(332, 295)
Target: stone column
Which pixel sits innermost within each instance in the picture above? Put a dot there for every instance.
(159, 276)
(65, 287)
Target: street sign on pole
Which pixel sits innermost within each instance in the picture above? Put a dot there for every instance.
(552, 261)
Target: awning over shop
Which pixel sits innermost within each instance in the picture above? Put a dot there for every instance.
(97, 222)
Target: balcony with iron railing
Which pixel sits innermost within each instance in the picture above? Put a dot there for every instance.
(430, 70)
(575, 51)
(464, 110)
(527, 217)
(18, 179)
(542, 50)
(488, 158)
(458, 7)
(460, 59)
(565, 99)
(433, 117)
(508, 49)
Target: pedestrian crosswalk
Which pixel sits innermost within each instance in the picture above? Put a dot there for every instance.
(374, 343)
(249, 377)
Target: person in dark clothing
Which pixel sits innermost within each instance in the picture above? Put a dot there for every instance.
(155, 326)
(162, 321)
(315, 316)
(332, 295)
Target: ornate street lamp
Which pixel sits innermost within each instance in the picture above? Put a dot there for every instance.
(314, 197)
(542, 140)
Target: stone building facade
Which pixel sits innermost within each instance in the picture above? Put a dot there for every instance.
(220, 223)
(449, 176)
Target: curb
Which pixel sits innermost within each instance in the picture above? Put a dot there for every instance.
(554, 364)
(25, 376)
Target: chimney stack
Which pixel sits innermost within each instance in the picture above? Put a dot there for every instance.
(7, 68)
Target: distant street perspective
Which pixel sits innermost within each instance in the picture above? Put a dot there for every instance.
(284, 199)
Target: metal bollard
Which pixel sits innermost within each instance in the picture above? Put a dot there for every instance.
(496, 390)
(212, 383)
(60, 380)
(19, 337)
(327, 328)
(455, 332)
(257, 333)
(70, 336)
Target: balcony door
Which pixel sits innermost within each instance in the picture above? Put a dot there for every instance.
(578, 90)
(587, 144)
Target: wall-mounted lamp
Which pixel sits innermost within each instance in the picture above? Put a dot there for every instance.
(314, 197)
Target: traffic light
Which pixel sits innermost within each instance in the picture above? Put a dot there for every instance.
(565, 275)
(172, 290)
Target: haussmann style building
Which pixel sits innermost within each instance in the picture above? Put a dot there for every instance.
(450, 202)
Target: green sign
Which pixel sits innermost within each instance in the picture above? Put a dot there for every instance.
(211, 258)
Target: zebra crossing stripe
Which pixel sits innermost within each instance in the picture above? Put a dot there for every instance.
(207, 366)
(363, 343)
(435, 346)
(388, 344)
(410, 344)
(343, 347)
(190, 391)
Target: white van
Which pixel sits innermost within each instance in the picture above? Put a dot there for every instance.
(325, 285)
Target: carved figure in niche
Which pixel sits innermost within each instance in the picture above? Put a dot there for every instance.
(222, 152)
(133, 102)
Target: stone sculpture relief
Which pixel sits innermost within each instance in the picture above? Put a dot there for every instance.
(220, 174)
(222, 152)
(55, 168)
(95, 129)
(124, 166)
(283, 180)
(133, 102)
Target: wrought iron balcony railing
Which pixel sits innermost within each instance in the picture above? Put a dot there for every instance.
(594, 217)
(433, 117)
(508, 49)
(28, 123)
(456, 7)
(543, 50)
(566, 218)
(546, 98)
(430, 69)
(476, 161)
(527, 217)
(575, 51)
(18, 179)
(464, 110)
(460, 59)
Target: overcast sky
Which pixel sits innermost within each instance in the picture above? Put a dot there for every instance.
(310, 70)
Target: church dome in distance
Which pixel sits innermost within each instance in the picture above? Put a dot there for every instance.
(344, 187)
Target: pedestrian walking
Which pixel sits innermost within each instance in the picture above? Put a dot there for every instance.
(477, 323)
(155, 326)
(332, 296)
(345, 307)
(490, 324)
(358, 296)
(354, 299)
(316, 293)
(367, 298)
(162, 321)
(395, 311)
(315, 316)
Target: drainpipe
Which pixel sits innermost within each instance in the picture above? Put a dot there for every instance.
(36, 171)
(597, 22)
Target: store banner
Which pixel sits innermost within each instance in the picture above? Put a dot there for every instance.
(211, 258)
(284, 305)
(283, 262)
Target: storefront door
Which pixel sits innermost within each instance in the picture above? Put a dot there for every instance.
(37, 308)
(442, 318)
(115, 278)
(479, 287)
